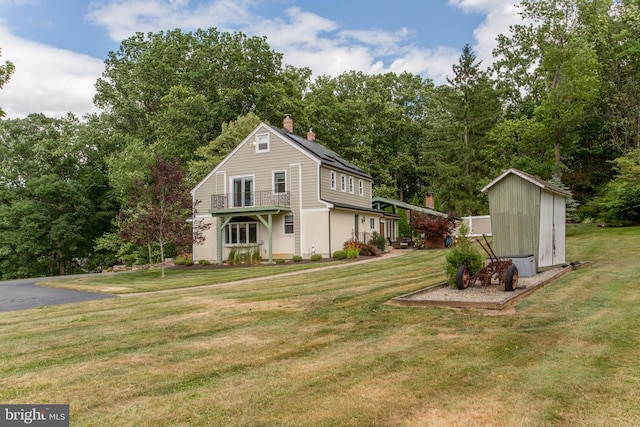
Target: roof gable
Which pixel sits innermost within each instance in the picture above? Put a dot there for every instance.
(311, 149)
(530, 178)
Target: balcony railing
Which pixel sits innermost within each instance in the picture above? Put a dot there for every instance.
(253, 199)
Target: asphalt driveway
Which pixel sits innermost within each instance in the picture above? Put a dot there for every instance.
(25, 293)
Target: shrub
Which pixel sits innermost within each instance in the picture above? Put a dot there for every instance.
(316, 257)
(354, 249)
(279, 261)
(297, 258)
(204, 262)
(368, 249)
(464, 253)
(239, 255)
(339, 255)
(188, 262)
(433, 227)
(180, 260)
(379, 241)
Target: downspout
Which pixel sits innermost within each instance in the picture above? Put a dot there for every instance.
(330, 251)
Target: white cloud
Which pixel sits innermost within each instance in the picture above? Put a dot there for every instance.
(47, 80)
(123, 18)
(55, 81)
(500, 14)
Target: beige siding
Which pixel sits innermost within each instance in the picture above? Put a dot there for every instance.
(339, 196)
(316, 229)
(315, 233)
(342, 225)
(245, 161)
(208, 249)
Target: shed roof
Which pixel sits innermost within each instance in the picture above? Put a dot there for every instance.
(532, 179)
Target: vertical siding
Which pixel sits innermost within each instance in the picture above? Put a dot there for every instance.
(515, 216)
(296, 205)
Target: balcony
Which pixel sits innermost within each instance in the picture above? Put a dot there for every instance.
(250, 200)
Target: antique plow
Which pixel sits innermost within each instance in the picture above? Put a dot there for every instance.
(502, 270)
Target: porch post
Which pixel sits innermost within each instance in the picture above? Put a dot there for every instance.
(220, 233)
(269, 224)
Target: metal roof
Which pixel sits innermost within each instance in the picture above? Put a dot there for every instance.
(382, 202)
(532, 179)
(326, 156)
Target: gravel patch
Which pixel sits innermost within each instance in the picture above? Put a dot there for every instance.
(491, 297)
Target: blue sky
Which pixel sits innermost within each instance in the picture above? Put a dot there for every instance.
(58, 46)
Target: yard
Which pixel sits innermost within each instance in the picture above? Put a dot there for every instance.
(323, 348)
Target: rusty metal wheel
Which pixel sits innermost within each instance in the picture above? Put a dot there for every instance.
(511, 278)
(463, 277)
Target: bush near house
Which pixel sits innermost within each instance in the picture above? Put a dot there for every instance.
(316, 257)
(364, 249)
(339, 255)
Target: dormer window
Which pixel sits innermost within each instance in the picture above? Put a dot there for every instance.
(333, 180)
(262, 143)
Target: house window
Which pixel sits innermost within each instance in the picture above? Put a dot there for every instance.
(351, 184)
(372, 223)
(288, 224)
(242, 191)
(343, 182)
(262, 143)
(279, 182)
(361, 187)
(241, 233)
(332, 178)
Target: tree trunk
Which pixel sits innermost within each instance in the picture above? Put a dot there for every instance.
(62, 265)
(161, 241)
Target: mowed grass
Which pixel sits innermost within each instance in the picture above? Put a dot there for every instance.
(151, 280)
(324, 349)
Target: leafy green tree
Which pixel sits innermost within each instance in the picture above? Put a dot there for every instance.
(207, 157)
(206, 78)
(377, 123)
(553, 61)
(52, 196)
(5, 74)
(469, 108)
(620, 202)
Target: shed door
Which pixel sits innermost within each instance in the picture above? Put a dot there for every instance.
(547, 230)
(551, 250)
(560, 221)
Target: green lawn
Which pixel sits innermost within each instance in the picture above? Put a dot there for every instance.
(323, 348)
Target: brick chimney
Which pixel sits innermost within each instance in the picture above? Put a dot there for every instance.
(287, 123)
(310, 135)
(429, 202)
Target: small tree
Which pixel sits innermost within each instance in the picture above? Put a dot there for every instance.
(158, 210)
(434, 228)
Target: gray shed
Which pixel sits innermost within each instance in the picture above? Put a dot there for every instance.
(528, 217)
